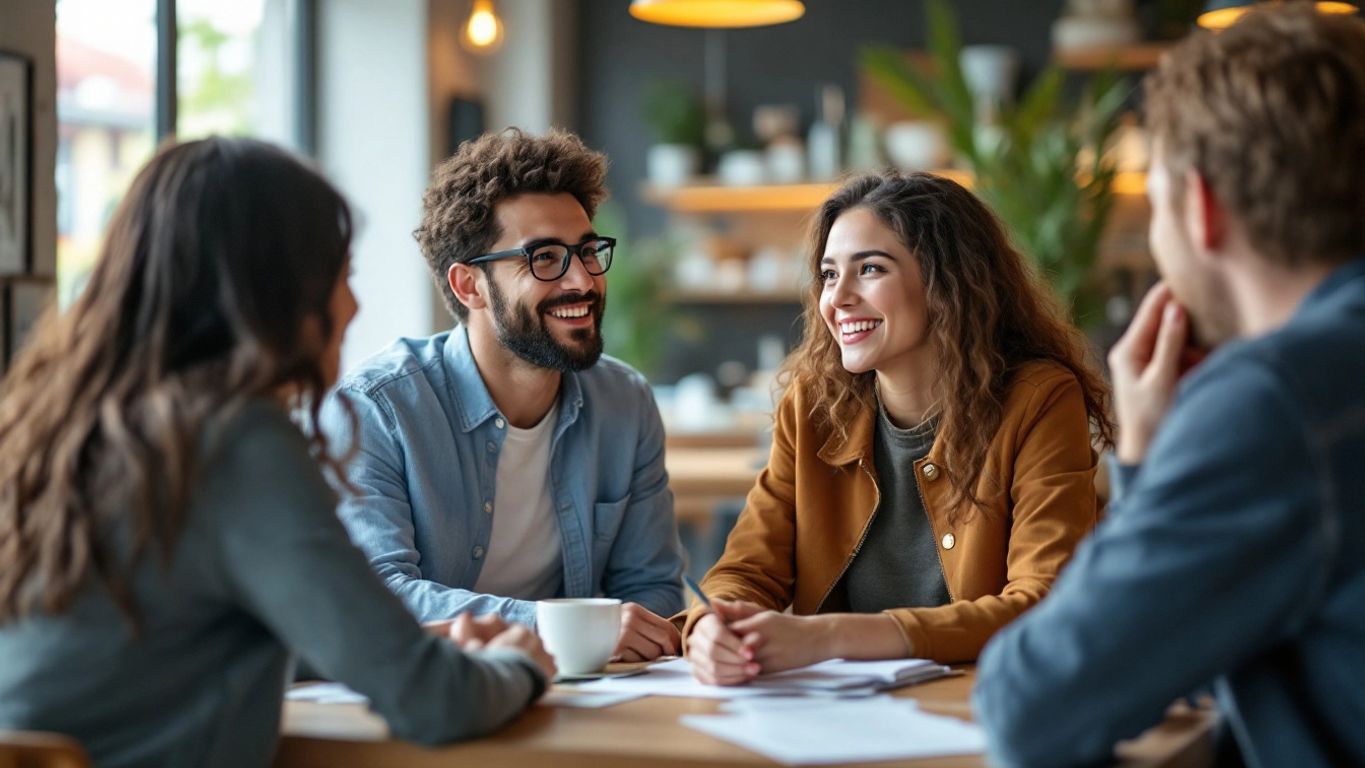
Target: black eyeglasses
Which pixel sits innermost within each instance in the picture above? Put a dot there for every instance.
(549, 261)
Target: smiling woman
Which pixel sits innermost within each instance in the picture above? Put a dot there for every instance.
(932, 466)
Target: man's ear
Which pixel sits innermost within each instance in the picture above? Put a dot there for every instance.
(464, 283)
(1205, 217)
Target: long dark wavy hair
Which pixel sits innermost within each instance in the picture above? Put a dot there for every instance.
(217, 256)
(988, 316)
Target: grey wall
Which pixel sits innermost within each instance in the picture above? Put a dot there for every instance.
(774, 65)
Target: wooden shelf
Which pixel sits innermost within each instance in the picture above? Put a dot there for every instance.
(715, 198)
(1125, 58)
(708, 197)
(731, 297)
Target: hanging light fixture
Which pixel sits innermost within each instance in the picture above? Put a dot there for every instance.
(483, 31)
(717, 13)
(1220, 14)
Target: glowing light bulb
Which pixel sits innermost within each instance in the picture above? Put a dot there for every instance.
(483, 31)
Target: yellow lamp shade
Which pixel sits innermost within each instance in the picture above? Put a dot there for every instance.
(1223, 14)
(717, 13)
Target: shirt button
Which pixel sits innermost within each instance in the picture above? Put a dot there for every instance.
(949, 541)
(500, 422)
(488, 507)
(930, 471)
(478, 552)
(492, 448)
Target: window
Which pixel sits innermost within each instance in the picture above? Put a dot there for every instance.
(106, 102)
(234, 63)
(240, 70)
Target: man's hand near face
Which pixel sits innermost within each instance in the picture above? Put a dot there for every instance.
(1146, 365)
(645, 636)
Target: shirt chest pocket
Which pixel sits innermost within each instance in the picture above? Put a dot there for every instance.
(607, 517)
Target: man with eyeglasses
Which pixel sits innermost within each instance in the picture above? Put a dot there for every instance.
(507, 461)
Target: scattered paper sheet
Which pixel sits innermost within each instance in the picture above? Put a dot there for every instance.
(325, 693)
(670, 678)
(841, 731)
(771, 703)
(581, 700)
(834, 677)
(855, 677)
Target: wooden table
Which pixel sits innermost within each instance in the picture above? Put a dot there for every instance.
(701, 477)
(646, 732)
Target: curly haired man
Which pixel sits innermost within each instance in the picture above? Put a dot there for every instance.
(508, 460)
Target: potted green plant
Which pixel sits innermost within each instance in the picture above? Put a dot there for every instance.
(1041, 166)
(637, 326)
(675, 115)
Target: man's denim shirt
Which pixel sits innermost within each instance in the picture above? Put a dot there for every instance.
(1235, 556)
(428, 442)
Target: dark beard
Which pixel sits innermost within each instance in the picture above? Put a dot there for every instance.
(526, 335)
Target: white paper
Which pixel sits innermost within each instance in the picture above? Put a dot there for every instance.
(582, 700)
(770, 703)
(325, 693)
(670, 678)
(842, 731)
(836, 677)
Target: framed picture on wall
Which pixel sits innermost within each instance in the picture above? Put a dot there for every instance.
(25, 302)
(16, 183)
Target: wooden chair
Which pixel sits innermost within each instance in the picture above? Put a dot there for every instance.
(35, 749)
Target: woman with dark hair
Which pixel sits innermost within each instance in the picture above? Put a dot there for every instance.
(931, 467)
(166, 536)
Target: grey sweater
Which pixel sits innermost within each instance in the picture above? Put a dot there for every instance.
(898, 565)
(263, 567)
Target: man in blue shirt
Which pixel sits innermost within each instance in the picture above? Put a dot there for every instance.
(1234, 554)
(507, 460)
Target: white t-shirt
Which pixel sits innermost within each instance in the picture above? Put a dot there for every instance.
(525, 559)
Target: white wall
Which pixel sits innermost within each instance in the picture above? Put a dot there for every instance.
(386, 71)
(530, 81)
(373, 143)
(29, 27)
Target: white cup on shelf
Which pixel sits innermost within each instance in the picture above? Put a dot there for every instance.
(580, 633)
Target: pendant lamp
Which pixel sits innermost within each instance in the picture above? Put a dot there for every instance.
(717, 13)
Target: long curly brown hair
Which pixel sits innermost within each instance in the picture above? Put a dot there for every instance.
(458, 222)
(220, 251)
(988, 316)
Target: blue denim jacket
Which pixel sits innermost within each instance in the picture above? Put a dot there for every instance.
(429, 438)
(1234, 556)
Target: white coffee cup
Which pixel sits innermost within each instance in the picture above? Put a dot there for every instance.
(580, 633)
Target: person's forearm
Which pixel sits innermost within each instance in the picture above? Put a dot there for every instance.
(861, 636)
(432, 601)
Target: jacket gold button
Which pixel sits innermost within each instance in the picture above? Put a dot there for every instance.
(949, 541)
(930, 471)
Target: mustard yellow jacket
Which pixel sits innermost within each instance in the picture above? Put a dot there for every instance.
(807, 515)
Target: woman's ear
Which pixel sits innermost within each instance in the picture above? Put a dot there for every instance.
(465, 283)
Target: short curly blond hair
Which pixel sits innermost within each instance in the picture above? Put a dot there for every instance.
(1271, 111)
(458, 222)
